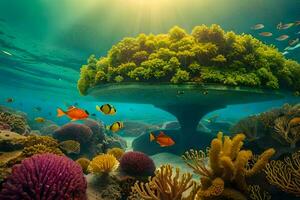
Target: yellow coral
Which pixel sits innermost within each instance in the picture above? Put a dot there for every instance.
(104, 163)
(285, 174)
(84, 163)
(166, 185)
(117, 152)
(226, 162)
(39, 149)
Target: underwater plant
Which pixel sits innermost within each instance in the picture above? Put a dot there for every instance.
(285, 174)
(84, 163)
(207, 55)
(136, 164)
(226, 172)
(167, 185)
(117, 152)
(45, 176)
(103, 164)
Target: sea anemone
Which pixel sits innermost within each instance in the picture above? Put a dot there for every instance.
(117, 152)
(84, 163)
(136, 163)
(104, 163)
(45, 176)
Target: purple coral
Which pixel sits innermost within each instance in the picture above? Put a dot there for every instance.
(136, 163)
(45, 176)
(79, 132)
(97, 129)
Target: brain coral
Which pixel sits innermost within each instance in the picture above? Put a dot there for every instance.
(71, 131)
(16, 123)
(97, 129)
(84, 163)
(45, 176)
(136, 163)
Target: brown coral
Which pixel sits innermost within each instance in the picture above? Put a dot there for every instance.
(285, 174)
(70, 146)
(226, 171)
(45, 140)
(16, 122)
(287, 130)
(249, 126)
(84, 163)
(257, 194)
(166, 185)
(39, 149)
(117, 152)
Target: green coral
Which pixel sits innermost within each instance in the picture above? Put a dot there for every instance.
(207, 55)
(16, 122)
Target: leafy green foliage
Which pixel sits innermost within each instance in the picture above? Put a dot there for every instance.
(207, 55)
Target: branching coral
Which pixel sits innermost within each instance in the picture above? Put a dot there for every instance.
(226, 171)
(285, 174)
(16, 123)
(117, 152)
(166, 185)
(287, 130)
(103, 164)
(257, 194)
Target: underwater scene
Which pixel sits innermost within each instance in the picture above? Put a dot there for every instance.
(149, 100)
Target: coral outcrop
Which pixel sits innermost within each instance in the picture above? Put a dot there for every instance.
(137, 164)
(10, 141)
(285, 174)
(45, 176)
(225, 174)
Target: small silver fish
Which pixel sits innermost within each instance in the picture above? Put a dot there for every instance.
(257, 27)
(266, 34)
(282, 37)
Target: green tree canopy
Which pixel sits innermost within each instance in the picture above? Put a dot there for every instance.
(207, 55)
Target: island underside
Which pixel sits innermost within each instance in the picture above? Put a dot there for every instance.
(187, 102)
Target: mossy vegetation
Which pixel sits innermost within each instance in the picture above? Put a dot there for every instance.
(207, 55)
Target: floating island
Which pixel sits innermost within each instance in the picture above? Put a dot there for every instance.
(189, 75)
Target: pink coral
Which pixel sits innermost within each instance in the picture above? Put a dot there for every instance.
(136, 163)
(45, 176)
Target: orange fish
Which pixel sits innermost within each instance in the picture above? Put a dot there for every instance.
(162, 139)
(73, 113)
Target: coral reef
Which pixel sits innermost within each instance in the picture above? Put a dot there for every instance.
(226, 172)
(84, 163)
(116, 152)
(103, 164)
(207, 55)
(38, 139)
(64, 179)
(285, 174)
(16, 122)
(137, 164)
(167, 185)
